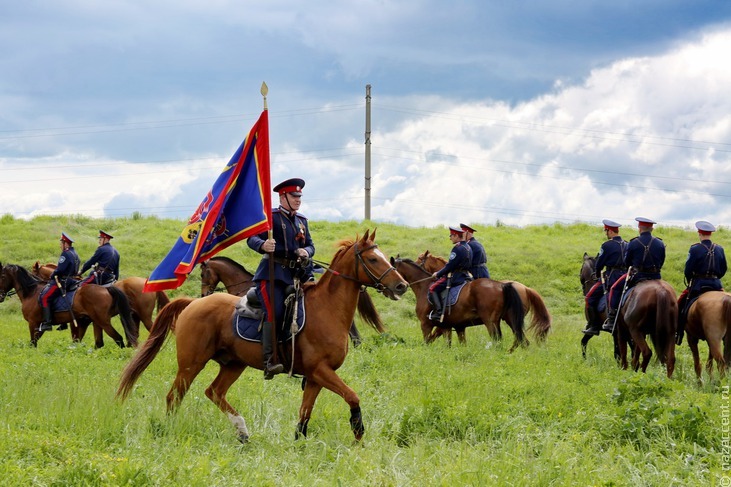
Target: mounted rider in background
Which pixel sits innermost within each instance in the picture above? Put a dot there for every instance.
(611, 258)
(62, 275)
(645, 255)
(105, 263)
(455, 271)
(704, 268)
(478, 268)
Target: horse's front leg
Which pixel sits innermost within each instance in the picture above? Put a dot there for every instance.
(331, 381)
(309, 395)
(584, 341)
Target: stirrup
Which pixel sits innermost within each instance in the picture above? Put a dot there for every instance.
(45, 326)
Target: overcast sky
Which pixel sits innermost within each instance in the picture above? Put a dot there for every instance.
(523, 112)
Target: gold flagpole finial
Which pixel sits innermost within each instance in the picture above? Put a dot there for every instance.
(264, 91)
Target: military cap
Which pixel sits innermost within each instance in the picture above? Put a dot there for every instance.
(466, 228)
(705, 227)
(291, 186)
(103, 234)
(455, 231)
(611, 225)
(645, 222)
(66, 238)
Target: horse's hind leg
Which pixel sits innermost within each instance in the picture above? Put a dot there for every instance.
(714, 352)
(216, 392)
(693, 344)
(183, 379)
(309, 395)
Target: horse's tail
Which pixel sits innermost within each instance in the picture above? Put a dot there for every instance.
(162, 300)
(121, 303)
(162, 326)
(368, 312)
(541, 321)
(513, 311)
(726, 316)
(664, 326)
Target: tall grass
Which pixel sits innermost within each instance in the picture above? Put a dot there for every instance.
(465, 415)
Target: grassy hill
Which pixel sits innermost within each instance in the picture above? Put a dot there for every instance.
(466, 415)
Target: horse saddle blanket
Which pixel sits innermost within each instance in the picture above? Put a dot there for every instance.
(627, 294)
(61, 303)
(452, 297)
(247, 322)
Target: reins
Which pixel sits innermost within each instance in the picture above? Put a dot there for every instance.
(419, 266)
(359, 259)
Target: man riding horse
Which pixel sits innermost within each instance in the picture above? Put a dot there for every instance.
(105, 262)
(455, 271)
(704, 268)
(609, 268)
(61, 278)
(291, 249)
(645, 254)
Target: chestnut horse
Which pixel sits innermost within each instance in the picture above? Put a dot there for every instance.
(237, 281)
(651, 309)
(91, 303)
(142, 304)
(483, 301)
(709, 318)
(204, 332)
(533, 303)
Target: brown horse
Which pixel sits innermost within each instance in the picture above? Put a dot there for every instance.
(203, 332)
(142, 304)
(532, 301)
(237, 281)
(483, 301)
(709, 318)
(651, 309)
(92, 303)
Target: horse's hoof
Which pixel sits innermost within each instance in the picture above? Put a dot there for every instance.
(244, 439)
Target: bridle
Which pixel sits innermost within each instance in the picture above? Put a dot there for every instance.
(418, 265)
(590, 281)
(376, 284)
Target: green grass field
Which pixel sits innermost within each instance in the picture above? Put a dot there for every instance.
(465, 415)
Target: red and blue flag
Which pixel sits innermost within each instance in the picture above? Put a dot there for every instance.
(237, 207)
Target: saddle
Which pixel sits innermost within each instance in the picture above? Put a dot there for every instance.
(453, 297)
(248, 315)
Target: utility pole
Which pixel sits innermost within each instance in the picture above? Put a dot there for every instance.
(368, 154)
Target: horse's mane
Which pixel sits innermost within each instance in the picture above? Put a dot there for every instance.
(26, 280)
(343, 247)
(228, 260)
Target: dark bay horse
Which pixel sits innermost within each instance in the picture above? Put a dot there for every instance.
(709, 318)
(237, 281)
(483, 301)
(588, 278)
(533, 303)
(651, 309)
(92, 303)
(204, 332)
(142, 304)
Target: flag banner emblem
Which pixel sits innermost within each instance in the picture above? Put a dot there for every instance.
(237, 207)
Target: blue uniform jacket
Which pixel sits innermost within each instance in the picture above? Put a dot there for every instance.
(478, 267)
(460, 260)
(705, 266)
(107, 258)
(611, 258)
(646, 254)
(68, 265)
(290, 233)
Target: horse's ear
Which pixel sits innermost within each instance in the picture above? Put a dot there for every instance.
(426, 254)
(373, 235)
(586, 256)
(365, 236)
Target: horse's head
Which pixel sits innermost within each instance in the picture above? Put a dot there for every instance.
(372, 267)
(586, 275)
(15, 277)
(209, 279)
(430, 262)
(43, 271)
(3, 289)
(411, 271)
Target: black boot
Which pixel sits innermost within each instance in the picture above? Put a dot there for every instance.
(608, 325)
(270, 369)
(682, 318)
(46, 324)
(436, 312)
(592, 324)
